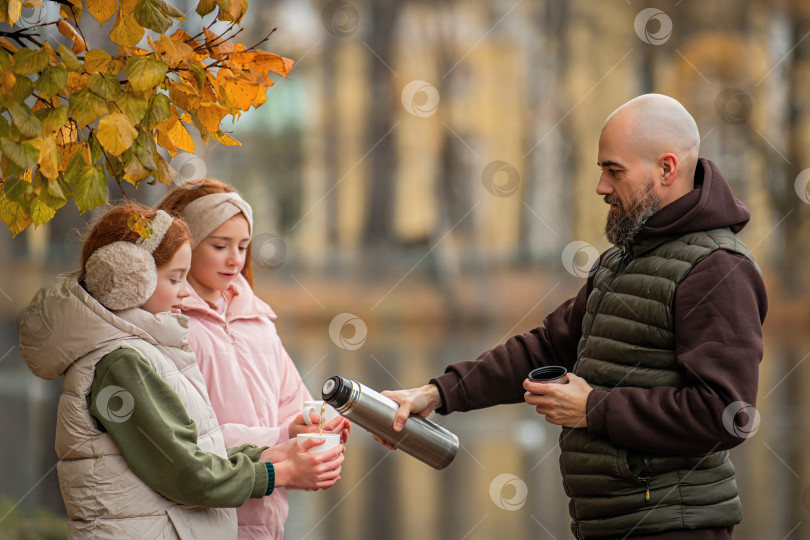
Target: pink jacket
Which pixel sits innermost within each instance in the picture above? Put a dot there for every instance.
(255, 389)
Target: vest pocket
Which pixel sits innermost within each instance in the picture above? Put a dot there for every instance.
(635, 466)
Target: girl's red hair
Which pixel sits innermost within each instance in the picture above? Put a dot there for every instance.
(112, 227)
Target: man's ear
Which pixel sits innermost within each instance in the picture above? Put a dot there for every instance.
(668, 164)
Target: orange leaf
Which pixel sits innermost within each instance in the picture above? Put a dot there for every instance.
(238, 93)
(76, 82)
(217, 45)
(79, 44)
(211, 114)
(48, 49)
(7, 82)
(163, 139)
(172, 52)
(184, 96)
(68, 150)
(6, 44)
(183, 37)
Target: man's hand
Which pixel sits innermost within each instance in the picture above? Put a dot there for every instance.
(561, 404)
(421, 401)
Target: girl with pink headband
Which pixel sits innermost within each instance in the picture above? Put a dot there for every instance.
(255, 389)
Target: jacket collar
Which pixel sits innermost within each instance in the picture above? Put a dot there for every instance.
(244, 303)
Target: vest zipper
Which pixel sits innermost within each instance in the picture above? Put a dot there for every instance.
(644, 477)
(627, 256)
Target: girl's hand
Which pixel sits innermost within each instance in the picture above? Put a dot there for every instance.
(302, 470)
(278, 453)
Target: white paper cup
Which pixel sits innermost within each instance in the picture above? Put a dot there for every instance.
(331, 441)
(314, 407)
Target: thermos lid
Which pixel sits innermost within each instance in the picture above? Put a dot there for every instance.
(336, 391)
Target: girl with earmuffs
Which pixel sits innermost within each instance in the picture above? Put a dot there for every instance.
(141, 454)
(255, 388)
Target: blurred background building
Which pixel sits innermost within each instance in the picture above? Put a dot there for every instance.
(430, 168)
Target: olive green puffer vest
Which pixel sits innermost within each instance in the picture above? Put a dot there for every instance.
(628, 340)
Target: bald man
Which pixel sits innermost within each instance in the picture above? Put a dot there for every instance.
(662, 344)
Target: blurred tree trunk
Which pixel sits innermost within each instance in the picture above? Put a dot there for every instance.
(382, 40)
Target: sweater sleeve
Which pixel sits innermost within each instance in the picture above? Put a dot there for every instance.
(719, 310)
(158, 439)
(497, 376)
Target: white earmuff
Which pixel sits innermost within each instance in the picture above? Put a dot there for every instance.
(123, 275)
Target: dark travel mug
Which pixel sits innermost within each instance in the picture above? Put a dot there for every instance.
(549, 374)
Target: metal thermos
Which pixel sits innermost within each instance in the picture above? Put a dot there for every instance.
(425, 440)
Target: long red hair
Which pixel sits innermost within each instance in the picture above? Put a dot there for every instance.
(112, 227)
(176, 200)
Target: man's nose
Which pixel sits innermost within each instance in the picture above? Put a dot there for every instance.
(603, 187)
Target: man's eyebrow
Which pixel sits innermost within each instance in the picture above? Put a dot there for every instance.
(609, 164)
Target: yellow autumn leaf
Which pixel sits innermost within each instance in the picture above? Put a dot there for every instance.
(217, 46)
(97, 61)
(180, 137)
(225, 139)
(75, 82)
(127, 31)
(115, 133)
(7, 82)
(67, 30)
(48, 158)
(102, 10)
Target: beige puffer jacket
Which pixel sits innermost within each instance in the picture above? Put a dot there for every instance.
(65, 331)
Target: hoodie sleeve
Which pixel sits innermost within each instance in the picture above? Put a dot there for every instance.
(159, 440)
(719, 310)
(497, 376)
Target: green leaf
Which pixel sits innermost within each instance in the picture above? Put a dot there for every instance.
(17, 189)
(52, 119)
(156, 15)
(70, 59)
(75, 169)
(71, 10)
(96, 153)
(91, 189)
(145, 72)
(28, 61)
(204, 7)
(58, 189)
(23, 154)
(133, 106)
(13, 214)
(157, 112)
(25, 120)
(144, 148)
(52, 80)
(41, 212)
(199, 74)
(22, 89)
(105, 86)
(86, 107)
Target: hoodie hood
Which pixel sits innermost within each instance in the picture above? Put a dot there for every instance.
(63, 323)
(709, 205)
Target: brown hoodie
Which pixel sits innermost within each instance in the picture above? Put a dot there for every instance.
(719, 310)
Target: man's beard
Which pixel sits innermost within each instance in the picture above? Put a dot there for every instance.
(623, 225)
